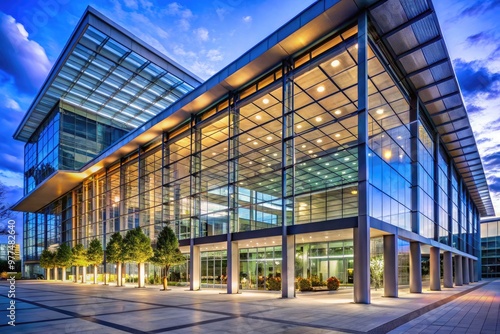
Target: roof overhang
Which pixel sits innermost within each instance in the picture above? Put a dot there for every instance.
(411, 33)
(106, 70)
(58, 184)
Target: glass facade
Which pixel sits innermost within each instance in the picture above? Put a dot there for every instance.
(490, 249)
(282, 151)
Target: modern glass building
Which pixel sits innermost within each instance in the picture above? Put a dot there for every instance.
(340, 138)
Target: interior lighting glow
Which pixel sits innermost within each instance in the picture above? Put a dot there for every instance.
(380, 111)
(265, 101)
(318, 119)
(338, 112)
(335, 63)
(320, 89)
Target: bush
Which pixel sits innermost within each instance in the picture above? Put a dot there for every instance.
(315, 281)
(333, 283)
(305, 284)
(273, 283)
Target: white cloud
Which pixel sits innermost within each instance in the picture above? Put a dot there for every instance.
(132, 4)
(10, 178)
(214, 55)
(247, 19)
(221, 13)
(184, 24)
(203, 69)
(12, 104)
(201, 34)
(180, 51)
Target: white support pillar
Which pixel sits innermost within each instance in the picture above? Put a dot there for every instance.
(141, 279)
(435, 269)
(458, 270)
(288, 267)
(361, 233)
(84, 274)
(56, 274)
(77, 273)
(471, 270)
(390, 266)
(447, 270)
(233, 267)
(465, 270)
(415, 267)
(195, 266)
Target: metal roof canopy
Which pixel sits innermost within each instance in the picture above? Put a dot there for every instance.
(106, 70)
(410, 30)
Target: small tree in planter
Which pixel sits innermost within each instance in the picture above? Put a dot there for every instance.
(333, 283)
(64, 258)
(376, 271)
(137, 248)
(167, 252)
(47, 261)
(305, 284)
(95, 255)
(114, 254)
(80, 260)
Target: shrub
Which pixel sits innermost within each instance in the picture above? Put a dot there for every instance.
(274, 283)
(305, 284)
(315, 281)
(333, 283)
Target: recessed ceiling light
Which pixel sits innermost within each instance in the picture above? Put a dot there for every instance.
(346, 159)
(380, 111)
(337, 135)
(249, 138)
(309, 169)
(265, 101)
(299, 126)
(213, 153)
(335, 63)
(303, 146)
(320, 89)
(319, 141)
(258, 117)
(269, 138)
(310, 151)
(250, 162)
(327, 164)
(272, 180)
(318, 173)
(318, 119)
(255, 143)
(267, 150)
(338, 112)
(399, 137)
(263, 159)
(268, 165)
(314, 155)
(387, 154)
(356, 46)
(275, 154)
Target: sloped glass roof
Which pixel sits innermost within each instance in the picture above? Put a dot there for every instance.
(103, 76)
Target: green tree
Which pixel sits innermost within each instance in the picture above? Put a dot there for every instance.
(377, 271)
(95, 255)
(47, 261)
(114, 254)
(64, 258)
(137, 248)
(167, 252)
(80, 260)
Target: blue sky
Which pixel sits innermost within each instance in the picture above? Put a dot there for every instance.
(204, 36)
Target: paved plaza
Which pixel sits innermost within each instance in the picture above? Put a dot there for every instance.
(49, 307)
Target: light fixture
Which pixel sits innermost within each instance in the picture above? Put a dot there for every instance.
(335, 63)
(310, 151)
(354, 192)
(388, 154)
(299, 126)
(117, 199)
(320, 89)
(346, 159)
(327, 164)
(269, 138)
(303, 205)
(399, 137)
(319, 141)
(275, 154)
(225, 148)
(263, 159)
(265, 101)
(268, 165)
(380, 111)
(255, 143)
(250, 162)
(248, 139)
(318, 119)
(303, 146)
(338, 112)
(213, 153)
(258, 117)
(337, 135)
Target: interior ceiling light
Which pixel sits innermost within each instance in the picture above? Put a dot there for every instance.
(354, 192)
(299, 126)
(265, 101)
(338, 112)
(255, 143)
(249, 138)
(310, 151)
(380, 111)
(319, 141)
(387, 154)
(258, 117)
(337, 135)
(320, 89)
(318, 119)
(335, 63)
(269, 138)
(303, 146)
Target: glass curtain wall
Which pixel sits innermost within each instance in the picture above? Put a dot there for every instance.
(443, 199)
(490, 249)
(258, 265)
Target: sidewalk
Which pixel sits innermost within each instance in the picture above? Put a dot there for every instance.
(43, 307)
